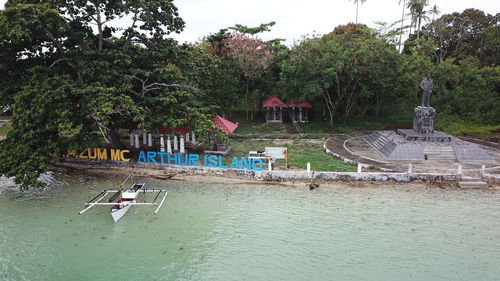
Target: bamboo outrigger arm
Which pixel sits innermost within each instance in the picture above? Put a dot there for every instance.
(161, 203)
(90, 205)
(104, 193)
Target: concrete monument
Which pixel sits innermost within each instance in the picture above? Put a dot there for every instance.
(422, 142)
(423, 120)
(426, 86)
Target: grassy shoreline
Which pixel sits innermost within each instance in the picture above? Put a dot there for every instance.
(300, 152)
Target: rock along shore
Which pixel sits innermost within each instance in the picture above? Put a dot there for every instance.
(164, 171)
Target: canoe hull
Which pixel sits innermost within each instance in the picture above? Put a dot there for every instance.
(118, 213)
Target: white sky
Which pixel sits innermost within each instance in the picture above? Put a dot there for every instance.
(299, 17)
(295, 18)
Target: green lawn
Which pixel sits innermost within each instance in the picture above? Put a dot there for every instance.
(315, 126)
(5, 129)
(257, 127)
(459, 127)
(302, 153)
(343, 127)
(299, 153)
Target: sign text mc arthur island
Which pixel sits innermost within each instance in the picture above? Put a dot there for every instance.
(214, 161)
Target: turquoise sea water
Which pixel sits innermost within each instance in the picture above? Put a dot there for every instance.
(251, 232)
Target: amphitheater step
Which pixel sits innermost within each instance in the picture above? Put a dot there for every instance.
(470, 179)
(443, 157)
(380, 142)
(472, 184)
(439, 152)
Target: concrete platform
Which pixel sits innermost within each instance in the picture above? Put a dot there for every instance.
(355, 148)
(436, 136)
(408, 145)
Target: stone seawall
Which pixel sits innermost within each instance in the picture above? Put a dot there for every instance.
(275, 175)
(491, 179)
(353, 176)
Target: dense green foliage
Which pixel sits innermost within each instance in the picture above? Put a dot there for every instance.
(350, 69)
(71, 77)
(350, 72)
(464, 35)
(60, 76)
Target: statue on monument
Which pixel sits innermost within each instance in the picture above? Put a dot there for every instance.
(426, 86)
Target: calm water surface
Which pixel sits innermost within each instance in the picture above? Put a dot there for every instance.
(250, 232)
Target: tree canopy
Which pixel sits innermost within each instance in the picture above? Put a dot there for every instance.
(66, 81)
(350, 69)
(471, 33)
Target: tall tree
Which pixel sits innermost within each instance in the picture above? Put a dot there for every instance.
(356, 2)
(349, 69)
(251, 55)
(253, 30)
(434, 11)
(468, 91)
(67, 83)
(402, 23)
(418, 14)
(412, 6)
(214, 74)
(471, 33)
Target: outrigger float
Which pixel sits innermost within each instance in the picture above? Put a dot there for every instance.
(128, 197)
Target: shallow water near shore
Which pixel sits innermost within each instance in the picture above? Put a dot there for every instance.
(212, 231)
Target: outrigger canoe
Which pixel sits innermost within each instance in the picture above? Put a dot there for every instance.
(128, 197)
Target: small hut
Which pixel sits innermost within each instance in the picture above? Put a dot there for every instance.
(274, 109)
(217, 145)
(299, 110)
(5, 120)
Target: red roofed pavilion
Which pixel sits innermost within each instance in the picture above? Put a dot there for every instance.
(299, 103)
(224, 125)
(274, 110)
(218, 145)
(273, 101)
(299, 110)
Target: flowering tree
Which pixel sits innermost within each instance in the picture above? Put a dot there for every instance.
(251, 55)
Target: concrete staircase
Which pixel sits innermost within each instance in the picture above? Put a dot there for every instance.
(289, 128)
(297, 127)
(381, 143)
(441, 153)
(472, 183)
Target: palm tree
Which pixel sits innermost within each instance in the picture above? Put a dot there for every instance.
(357, 6)
(418, 14)
(402, 23)
(411, 5)
(434, 11)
